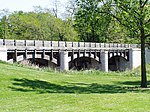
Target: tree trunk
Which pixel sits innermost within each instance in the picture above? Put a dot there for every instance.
(143, 63)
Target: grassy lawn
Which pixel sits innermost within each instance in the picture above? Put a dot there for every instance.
(30, 90)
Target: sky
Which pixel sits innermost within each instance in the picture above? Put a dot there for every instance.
(27, 5)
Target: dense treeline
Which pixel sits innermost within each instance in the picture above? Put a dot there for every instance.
(110, 20)
(91, 21)
(37, 25)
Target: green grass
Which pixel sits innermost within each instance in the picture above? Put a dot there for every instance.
(24, 89)
(137, 70)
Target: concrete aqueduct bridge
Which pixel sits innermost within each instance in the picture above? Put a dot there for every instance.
(72, 55)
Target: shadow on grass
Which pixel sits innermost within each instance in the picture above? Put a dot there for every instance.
(38, 86)
(134, 83)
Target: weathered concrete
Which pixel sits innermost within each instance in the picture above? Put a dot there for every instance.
(134, 57)
(64, 55)
(147, 55)
(104, 60)
(3, 54)
(64, 65)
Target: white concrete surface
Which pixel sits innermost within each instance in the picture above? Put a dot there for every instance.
(104, 60)
(3, 54)
(64, 64)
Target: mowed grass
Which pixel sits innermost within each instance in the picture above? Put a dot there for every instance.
(32, 90)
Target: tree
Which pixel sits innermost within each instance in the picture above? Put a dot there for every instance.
(134, 15)
(117, 33)
(90, 24)
(71, 9)
(39, 25)
(4, 23)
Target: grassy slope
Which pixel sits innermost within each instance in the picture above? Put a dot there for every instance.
(28, 90)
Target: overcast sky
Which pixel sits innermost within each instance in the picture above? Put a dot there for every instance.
(27, 5)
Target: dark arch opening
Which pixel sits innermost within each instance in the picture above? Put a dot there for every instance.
(117, 63)
(43, 63)
(39, 62)
(83, 63)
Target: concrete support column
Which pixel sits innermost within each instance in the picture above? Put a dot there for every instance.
(43, 54)
(72, 57)
(3, 54)
(51, 55)
(26, 53)
(15, 56)
(104, 60)
(34, 56)
(134, 58)
(64, 65)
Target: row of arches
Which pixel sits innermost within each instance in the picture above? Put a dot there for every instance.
(76, 61)
(115, 63)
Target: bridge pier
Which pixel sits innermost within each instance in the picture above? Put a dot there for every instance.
(64, 65)
(15, 56)
(134, 58)
(34, 55)
(104, 60)
(3, 54)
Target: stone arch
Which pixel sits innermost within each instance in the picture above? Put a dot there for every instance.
(118, 63)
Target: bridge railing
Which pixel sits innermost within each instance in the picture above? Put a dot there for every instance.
(39, 43)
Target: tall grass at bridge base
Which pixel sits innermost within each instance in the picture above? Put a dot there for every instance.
(24, 89)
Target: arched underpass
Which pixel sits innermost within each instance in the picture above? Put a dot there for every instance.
(115, 63)
(39, 62)
(84, 63)
(118, 63)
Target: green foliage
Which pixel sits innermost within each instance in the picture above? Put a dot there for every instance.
(133, 14)
(111, 20)
(130, 13)
(38, 26)
(119, 34)
(90, 24)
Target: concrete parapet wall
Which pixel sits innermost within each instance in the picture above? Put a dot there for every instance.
(39, 44)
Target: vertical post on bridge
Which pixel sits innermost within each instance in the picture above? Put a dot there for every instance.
(104, 60)
(64, 65)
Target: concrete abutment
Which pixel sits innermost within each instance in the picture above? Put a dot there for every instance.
(3, 54)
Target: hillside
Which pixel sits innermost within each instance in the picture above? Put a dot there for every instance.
(31, 90)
